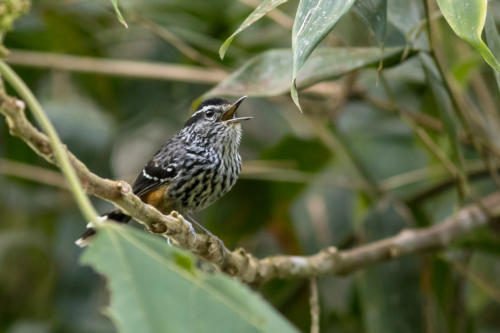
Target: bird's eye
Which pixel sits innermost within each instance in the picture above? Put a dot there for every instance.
(170, 171)
(209, 114)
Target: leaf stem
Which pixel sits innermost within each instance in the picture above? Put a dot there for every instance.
(22, 89)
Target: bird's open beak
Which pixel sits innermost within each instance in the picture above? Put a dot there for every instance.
(228, 116)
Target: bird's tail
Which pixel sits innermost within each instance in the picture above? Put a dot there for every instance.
(115, 215)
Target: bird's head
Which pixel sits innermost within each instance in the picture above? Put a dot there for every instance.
(216, 117)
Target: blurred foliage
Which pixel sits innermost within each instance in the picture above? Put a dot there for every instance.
(196, 302)
(350, 169)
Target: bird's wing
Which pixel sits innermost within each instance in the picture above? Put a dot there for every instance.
(158, 172)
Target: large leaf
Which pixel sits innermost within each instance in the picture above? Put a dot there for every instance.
(268, 74)
(374, 12)
(313, 20)
(493, 39)
(466, 18)
(156, 288)
(259, 12)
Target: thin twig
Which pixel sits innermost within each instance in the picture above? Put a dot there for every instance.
(473, 173)
(426, 139)
(480, 282)
(314, 305)
(263, 171)
(467, 114)
(467, 118)
(115, 67)
(175, 41)
(33, 173)
(420, 118)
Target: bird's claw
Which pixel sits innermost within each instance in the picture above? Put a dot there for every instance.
(191, 229)
(221, 245)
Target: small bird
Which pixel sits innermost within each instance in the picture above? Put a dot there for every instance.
(192, 169)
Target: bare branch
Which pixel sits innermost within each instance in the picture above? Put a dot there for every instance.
(314, 305)
(239, 263)
(175, 41)
(140, 69)
(114, 67)
(33, 173)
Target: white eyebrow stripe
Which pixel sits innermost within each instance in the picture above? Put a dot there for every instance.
(207, 107)
(203, 109)
(156, 179)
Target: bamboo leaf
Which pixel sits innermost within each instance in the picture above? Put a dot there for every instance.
(268, 74)
(259, 12)
(374, 12)
(118, 13)
(493, 39)
(466, 18)
(313, 20)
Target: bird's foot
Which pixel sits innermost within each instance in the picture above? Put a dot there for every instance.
(208, 233)
(191, 229)
(221, 245)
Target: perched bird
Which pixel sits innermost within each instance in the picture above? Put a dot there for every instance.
(192, 169)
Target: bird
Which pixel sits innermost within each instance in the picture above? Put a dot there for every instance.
(192, 169)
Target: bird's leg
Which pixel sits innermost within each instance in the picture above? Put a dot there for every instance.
(206, 231)
(196, 223)
(190, 226)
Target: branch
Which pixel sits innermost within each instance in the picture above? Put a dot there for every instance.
(33, 173)
(139, 69)
(314, 305)
(114, 67)
(174, 40)
(240, 263)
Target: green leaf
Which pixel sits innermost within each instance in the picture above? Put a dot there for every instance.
(268, 74)
(118, 13)
(374, 12)
(466, 18)
(156, 288)
(493, 39)
(259, 12)
(313, 20)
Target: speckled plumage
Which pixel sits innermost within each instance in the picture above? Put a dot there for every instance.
(199, 164)
(195, 167)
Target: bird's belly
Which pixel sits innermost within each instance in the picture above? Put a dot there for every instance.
(198, 190)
